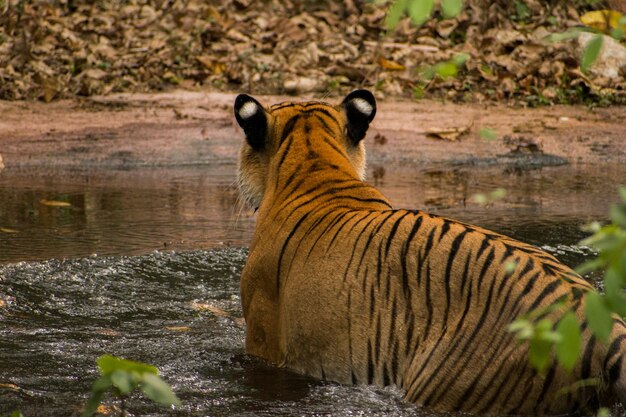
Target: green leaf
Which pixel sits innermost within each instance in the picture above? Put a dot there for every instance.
(460, 59)
(592, 265)
(564, 36)
(446, 69)
(420, 10)
(157, 390)
(451, 8)
(598, 316)
(98, 389)
(17, 413)
(618, 215)
(622, 193)
(613, 283)
(108, 364)
(395, 13)
(488, 134)
(539, 353)
(591, 52)
(123, 381)
(617, 33)
(568, 349)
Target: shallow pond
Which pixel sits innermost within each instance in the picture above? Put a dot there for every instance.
(152, 267)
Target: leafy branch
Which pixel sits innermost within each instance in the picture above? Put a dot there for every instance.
(121, 377)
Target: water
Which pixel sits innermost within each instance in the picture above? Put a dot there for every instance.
(61, 306)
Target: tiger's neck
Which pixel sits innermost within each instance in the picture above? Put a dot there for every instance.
(313, 171)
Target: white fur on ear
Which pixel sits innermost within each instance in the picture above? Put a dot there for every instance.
(248, 110)
(362, 106)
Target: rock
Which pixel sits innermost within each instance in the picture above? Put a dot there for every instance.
(301, 85)
(612, 56)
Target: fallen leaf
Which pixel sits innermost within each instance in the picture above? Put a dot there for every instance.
(7, 230)
(178, 328)
(602, 20)
(390, 65)
(215, 67)
(210, 308)
(106, 410)
(451, 134)
(55, 203)
(108, 332)
(12, 387)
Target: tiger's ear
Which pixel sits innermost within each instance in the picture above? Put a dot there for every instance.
(252, 118)
(360, 108)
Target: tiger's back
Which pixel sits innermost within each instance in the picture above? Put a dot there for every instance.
(340, 286)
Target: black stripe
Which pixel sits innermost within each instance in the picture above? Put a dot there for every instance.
(614, 348)
(507, 277)
(403, 258)
(334, 146)
(393, 231)
(427, 247)
(340, 228)
(372, 301)
(377, 348)
(284, 105)
(410, 332)
(291, 123)
(356, 242)
(373, 233)
(324, 112)
(428, 303)
(284, 248)
(547, 290)
(361, 200)
(524, 396)
(370, 364)
(615, 371)
(454, 250)
(483, 245)
(481, 321)
(411, 394)
(486, 264)
(547, 383)
(585, 371)
(465, 275)
(329, 131)
(338, 217)
(512, 384)
(444, 229)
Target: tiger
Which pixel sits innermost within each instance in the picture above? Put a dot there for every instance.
(338, 285)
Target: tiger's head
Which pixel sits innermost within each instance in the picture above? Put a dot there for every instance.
(266, 128)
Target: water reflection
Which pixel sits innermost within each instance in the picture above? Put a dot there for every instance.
(125, 212)
(137, 211)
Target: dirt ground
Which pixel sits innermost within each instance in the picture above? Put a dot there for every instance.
(183, 128)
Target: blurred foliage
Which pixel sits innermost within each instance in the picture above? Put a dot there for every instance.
(121, 377)
(522, 13)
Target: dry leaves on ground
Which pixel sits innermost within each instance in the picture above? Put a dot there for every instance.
(57, 49)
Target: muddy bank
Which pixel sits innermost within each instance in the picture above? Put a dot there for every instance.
(190, 128)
